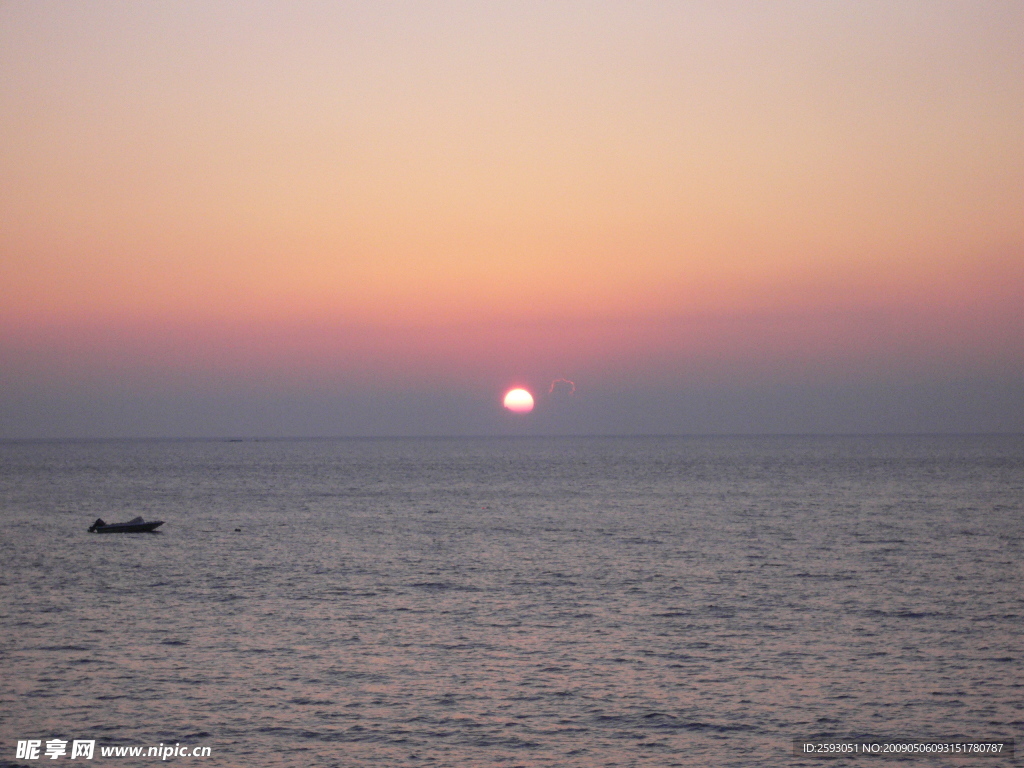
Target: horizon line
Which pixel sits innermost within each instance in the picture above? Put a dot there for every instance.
(649, 435)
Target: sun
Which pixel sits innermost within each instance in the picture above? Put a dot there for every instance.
(519, 401)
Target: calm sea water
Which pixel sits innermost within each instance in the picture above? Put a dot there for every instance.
(512, 602)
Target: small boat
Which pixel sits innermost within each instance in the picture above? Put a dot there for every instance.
(136, 525)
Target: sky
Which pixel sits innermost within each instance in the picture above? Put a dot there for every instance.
(254, 219)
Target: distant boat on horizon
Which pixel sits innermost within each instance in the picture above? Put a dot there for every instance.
(135, 525)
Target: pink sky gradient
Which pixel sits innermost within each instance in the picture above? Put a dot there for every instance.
(322, 200)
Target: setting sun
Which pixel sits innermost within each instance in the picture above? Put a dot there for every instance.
(519, 401)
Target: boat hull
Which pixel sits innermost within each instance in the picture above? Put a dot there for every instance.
(127, 527)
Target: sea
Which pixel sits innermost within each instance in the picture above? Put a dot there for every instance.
(516, 601)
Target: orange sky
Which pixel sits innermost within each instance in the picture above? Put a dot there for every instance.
(471, 191)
